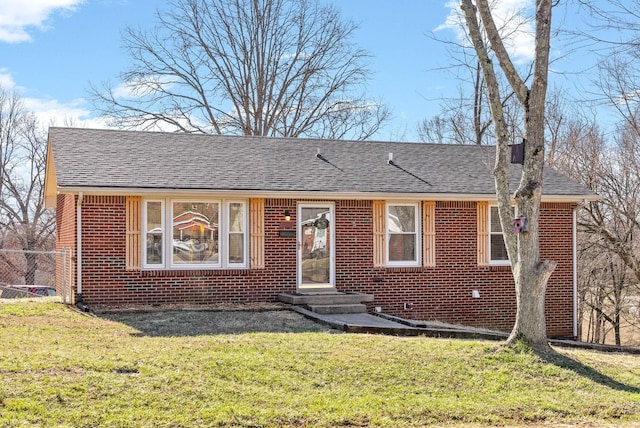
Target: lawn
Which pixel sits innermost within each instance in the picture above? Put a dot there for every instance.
(59, 367)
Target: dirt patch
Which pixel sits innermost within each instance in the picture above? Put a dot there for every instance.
(195, 322)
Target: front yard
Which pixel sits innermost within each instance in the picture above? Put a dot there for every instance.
(59, 367)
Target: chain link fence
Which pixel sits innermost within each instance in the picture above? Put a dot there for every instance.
(36, 273)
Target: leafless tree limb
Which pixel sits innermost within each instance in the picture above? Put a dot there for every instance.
(251, 67)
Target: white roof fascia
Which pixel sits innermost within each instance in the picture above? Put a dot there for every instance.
(104, 191)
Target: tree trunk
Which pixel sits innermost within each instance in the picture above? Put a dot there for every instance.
(32, 268)
(616, 328)
(529, 273)
(531, 286)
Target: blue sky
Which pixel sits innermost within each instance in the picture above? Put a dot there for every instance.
(51, 50)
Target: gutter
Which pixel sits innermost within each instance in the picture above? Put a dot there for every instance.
(310, 194)
(79, 303)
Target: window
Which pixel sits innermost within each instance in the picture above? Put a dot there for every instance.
(236, 233)
(403, 247)
(497, 250)
(199, 234)
(195, 227)
(154, 231)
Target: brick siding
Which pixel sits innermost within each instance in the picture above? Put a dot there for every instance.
(442, 293)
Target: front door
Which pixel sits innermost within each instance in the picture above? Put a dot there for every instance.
(316, 250)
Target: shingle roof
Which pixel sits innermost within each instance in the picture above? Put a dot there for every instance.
(113, 159)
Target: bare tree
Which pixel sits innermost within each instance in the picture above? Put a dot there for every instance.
(612, 226)
(11, 118)
(466, 118)
(608, 291)
(614, 29)
(529, 272)
(613, 222)
(556, 122)
(251, 67)
(619, 82)
(623, 16)
(608, 251)
(24, 222)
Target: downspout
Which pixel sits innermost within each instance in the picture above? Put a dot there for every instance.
(79, 303)
(575, 270)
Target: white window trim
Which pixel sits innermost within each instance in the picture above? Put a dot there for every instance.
(493, 262)
(144, 234)
(223, 235)
(224, 220)
(418, 234)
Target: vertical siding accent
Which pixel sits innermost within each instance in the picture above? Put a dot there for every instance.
(428, 234)
(379, 253)
(483, 233)
(133, 219)
(256, 217)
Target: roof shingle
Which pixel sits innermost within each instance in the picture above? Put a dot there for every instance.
(112, 159)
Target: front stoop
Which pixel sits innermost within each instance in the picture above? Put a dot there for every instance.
(329, 303)
(358, 308)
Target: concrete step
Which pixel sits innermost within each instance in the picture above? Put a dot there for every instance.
(333, 298)
(338, 309)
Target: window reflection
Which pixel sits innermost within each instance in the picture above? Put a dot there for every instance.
(402, 235)
(316, 245)
(154, 232)
(498, 250)
(195, 232)
(236, 232)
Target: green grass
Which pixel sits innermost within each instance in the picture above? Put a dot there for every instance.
(59, 367)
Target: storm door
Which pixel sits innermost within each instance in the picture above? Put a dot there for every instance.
(316, 249)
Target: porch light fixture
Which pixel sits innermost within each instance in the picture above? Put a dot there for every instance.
(287, 215)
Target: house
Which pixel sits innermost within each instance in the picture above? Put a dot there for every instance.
(166, 218)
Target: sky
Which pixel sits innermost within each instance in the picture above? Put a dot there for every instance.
(51, 51)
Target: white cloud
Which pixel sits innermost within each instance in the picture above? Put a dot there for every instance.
(6, 80)
(17, 17)
(50, 111)
(513, 19)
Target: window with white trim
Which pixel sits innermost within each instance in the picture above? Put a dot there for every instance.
(153, 226)
(403, 234)
(194, 233)
(497, 249)
(236, 234)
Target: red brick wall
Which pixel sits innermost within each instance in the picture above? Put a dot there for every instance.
(442, 293)
(107, 283)
(556, 244)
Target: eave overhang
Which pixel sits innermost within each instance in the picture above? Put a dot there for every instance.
(50, 180)
(312, 195)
